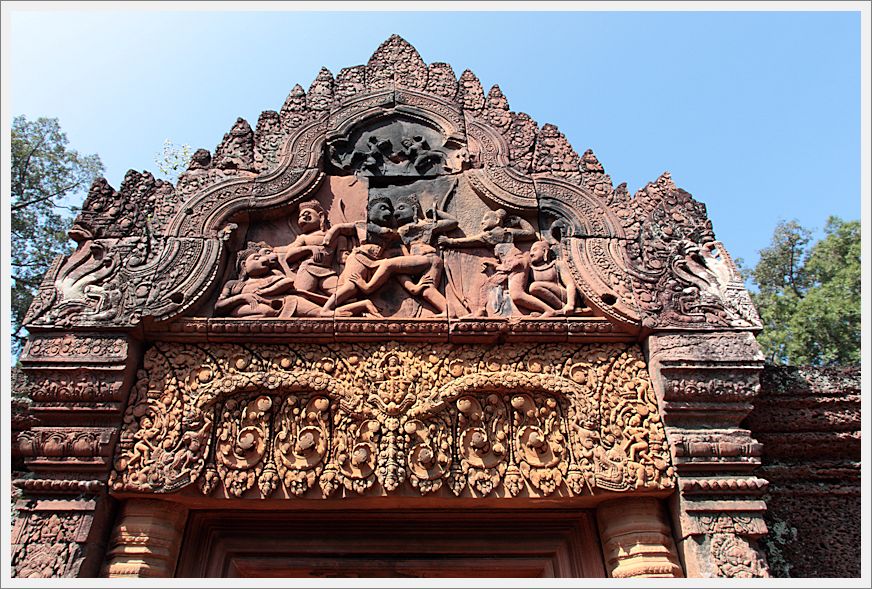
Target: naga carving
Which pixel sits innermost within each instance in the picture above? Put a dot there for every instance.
(316, 420)
(403, 182)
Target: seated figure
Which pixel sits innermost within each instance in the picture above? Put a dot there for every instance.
(511, 268)
(552, 282)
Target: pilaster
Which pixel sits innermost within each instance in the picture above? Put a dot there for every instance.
(78, 384)
(636, 539)
(146, 539)
(706, 384)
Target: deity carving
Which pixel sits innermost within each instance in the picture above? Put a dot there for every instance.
(374, 235)
(396, 254)
(315, 277)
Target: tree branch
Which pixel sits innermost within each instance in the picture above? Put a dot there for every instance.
(19, 206)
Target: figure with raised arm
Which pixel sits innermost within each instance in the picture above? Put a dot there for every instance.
(419, 255)
(315, 278)
(496, 227)
(374, 235)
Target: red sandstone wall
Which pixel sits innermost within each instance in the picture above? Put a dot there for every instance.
(808, 420)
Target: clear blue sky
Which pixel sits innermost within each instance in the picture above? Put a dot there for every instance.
(755, 113)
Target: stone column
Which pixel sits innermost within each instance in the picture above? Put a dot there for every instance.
(706, 384)
(146, 539)
(78, 385)
(636, 539)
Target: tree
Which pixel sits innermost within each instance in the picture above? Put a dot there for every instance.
(809, 298)
(173, 160)
(48, 181)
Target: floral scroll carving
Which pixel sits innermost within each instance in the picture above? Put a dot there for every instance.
(319, 420)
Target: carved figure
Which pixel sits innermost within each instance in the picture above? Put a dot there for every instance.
(374, 234)
(511, 268)
(255, 292)
(418, 154)
(315, 278)
(264, 290)
(373, 158)
(552, 281)
(496, 227)
(418, 253)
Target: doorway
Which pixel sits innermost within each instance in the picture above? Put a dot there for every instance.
(396, 543)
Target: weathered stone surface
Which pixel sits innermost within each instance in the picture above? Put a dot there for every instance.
(372, 419)
(809, 422)
(397, 120)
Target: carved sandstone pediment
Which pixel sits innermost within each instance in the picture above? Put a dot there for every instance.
(433, 199)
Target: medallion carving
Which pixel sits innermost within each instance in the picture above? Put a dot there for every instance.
(316, 420)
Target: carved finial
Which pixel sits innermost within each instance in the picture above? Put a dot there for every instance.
(521, 136)
(292, 110)
(594, 177)
(236, 150)
(496, 110)
(470, 93)
(496, 99)
(589, 162)
(349, 82)
(622, 195)
(554, 155)
(136, 183)
(267, 140)
(320, 95)
(107, 213)
(441, 80)
(397, 63)
(665, 181)
(201, 160)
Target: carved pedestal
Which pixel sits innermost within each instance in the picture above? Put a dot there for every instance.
(706, 384)
(637, 539)
(78, 384)
(146, 539)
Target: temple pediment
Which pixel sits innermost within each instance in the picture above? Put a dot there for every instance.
(395, 191)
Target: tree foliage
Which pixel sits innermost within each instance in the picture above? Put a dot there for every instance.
(48, 181)
(173, 160)
(809, 297)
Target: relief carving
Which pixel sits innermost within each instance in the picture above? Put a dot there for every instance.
(48, 544)
(396, 126)
(372, 419)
